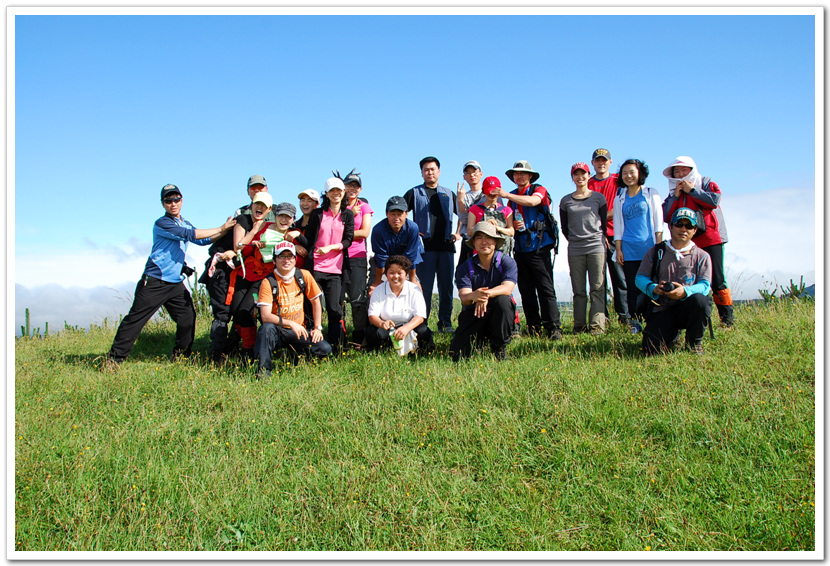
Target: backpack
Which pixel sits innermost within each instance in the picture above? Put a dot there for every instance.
(549, 225)
(308, 318)
(701, 222)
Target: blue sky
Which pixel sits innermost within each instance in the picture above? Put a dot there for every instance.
(108, 109)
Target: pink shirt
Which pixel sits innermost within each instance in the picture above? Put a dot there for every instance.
(331, 232)
(358, 247)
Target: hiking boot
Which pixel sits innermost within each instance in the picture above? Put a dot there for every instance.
(556, 334)
(694, 348)
(109, 366)
(263, 374)
(448, 329)
(580, 329)
(635, 327)
(501, 354)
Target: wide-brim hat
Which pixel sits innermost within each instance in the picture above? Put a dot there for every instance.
(487, 229)
(523, 167)
(682, 161)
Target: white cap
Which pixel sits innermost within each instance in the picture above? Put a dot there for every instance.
(473, 163)
(333, 183)
(310, 193)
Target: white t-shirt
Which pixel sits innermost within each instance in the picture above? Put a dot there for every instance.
(401, 309)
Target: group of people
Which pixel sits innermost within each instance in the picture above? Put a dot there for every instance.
(267, 263)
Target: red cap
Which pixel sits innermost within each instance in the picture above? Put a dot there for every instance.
(489, 184)
(580, 165)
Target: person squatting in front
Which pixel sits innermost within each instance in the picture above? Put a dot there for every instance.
(485, 283)
(687, 188)
(162, 283)
(676, 276)
(397, 307)
(291, 312)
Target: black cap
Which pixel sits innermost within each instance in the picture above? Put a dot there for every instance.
(601, 152)
(396, 203)
(167, 190)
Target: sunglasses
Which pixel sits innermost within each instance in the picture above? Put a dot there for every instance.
(171, 200)
(686, 225)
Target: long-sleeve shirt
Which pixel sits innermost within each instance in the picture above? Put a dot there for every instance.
(170, 238)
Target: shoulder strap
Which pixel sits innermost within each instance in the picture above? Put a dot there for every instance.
(275, 291)
(298, 276)
(658, 257)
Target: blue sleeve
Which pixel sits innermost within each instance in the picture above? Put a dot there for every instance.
(645, 285)
(414, 246)
(701, 287)
(511, 271)
(168, 228)
(378, 245)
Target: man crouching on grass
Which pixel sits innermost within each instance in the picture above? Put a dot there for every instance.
(485, 284)
(679, 287)
(291, 311)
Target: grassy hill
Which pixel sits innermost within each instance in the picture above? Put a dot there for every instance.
(574, 445)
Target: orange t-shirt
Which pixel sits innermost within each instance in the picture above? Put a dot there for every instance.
(290, 296)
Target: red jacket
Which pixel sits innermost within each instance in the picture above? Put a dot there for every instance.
(708, 202)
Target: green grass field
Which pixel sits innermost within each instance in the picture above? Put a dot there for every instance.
(574, 445)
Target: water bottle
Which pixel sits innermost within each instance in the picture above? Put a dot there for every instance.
(519, 218)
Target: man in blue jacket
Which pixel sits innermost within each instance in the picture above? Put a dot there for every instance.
(433, 208)
(163, 281)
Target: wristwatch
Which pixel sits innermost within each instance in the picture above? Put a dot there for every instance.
(320, 328)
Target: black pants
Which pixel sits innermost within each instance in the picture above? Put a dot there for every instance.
(630, 269)
(662, 326)
(719, 286)
(332, 286)
(217, 288)
(380, 337)
(150, 295)
(272, 337)
(496, 326)
(618, 285)
(535, 280)
(355, 285)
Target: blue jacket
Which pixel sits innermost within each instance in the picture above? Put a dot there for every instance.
(386, 243)
(170, 238)
(421, 210)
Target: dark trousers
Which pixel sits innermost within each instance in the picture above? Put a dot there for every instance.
(150, 295)
(663, 326)
(243, 304)
(630, 269)
(379, 337)
(355, 284)
(272, 337)
(217, 288)
(618, 285)
(535, 280)
(723, 298)
(332, 286)
(438, 264)
(496, 326)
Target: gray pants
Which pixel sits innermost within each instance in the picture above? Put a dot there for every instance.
(592, 266)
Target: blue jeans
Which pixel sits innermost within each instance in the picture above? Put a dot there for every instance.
(440, 264)
(272, 337)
